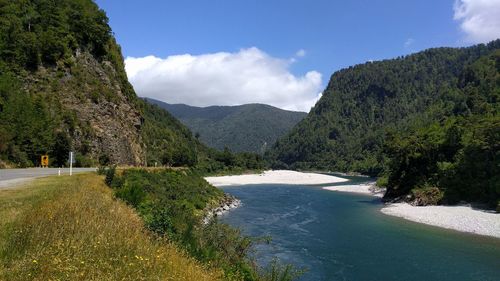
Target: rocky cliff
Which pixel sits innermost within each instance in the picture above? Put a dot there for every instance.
(63, 87)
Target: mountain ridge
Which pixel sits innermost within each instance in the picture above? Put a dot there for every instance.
(242, 128)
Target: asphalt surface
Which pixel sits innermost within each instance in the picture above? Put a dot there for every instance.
(12, 177)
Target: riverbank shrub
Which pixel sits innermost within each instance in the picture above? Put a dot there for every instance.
(426, 196)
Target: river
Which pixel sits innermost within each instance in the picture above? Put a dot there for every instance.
(344, 236)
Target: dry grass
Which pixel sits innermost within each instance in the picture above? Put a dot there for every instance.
(71, 228)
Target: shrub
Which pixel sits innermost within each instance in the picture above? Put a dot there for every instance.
(279, 272)
(382, 181)
(110, 175)
(426, 196)
(101, 170)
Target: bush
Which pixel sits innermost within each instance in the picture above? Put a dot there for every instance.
(131, 193)
(382, 181)
(426, 196)
(278, 272)
(101, 170)
(110, 175)
(84, 161)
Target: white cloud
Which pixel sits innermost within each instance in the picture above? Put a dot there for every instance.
(409, 42)
(300, 53)
(247, 76)
(479, 19)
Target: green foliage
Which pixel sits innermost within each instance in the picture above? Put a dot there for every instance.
(172, 203)
(42, 32)
(460, 155)
(420, 121)
(278, 272)
(244, 128)
(84, 161)
(167, 141)
(461, 158)
(62, 147)
(426, 196)
(348, 127)
(382, 181)
(110, 175)
(101, 170)
(30, 130)
(225, 162)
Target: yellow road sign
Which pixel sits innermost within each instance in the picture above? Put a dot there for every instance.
(45, 161)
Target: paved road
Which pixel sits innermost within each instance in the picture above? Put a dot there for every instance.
(12, 177)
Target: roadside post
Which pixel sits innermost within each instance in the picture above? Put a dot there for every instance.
(71, 163)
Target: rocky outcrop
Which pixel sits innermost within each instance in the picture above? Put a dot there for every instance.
(228, 203)
(103, 121)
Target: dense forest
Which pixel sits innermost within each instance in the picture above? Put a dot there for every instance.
(63, 87)
(427, 123)
(243, 128)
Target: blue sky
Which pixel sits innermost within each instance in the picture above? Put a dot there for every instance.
(332, 34)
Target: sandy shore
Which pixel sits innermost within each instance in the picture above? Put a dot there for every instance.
(275, 177)
(369, 189)
(461, 218)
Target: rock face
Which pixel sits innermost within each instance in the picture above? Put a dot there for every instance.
(226, 204)
(104, 122)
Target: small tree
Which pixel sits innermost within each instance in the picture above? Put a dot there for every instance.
(61, 149)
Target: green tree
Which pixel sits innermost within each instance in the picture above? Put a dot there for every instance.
(61, 149)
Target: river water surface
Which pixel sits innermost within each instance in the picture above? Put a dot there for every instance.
(344, 236)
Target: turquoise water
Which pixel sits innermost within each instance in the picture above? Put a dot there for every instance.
(344, 236)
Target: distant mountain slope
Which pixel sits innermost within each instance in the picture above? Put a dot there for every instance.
(244, 128)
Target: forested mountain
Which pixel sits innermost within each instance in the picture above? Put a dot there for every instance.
(63, 87)
(244, 128)
(426, 121)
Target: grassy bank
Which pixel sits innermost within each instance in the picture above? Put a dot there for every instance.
(72, 228)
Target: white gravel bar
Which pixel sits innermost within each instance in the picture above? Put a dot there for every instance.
(369, 189)
(461, 218)
(275, 177)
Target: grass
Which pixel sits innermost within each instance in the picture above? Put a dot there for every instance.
(72, 228)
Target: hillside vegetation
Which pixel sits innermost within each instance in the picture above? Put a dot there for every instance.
(427, 122)
(72, 228)
(245, 128)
